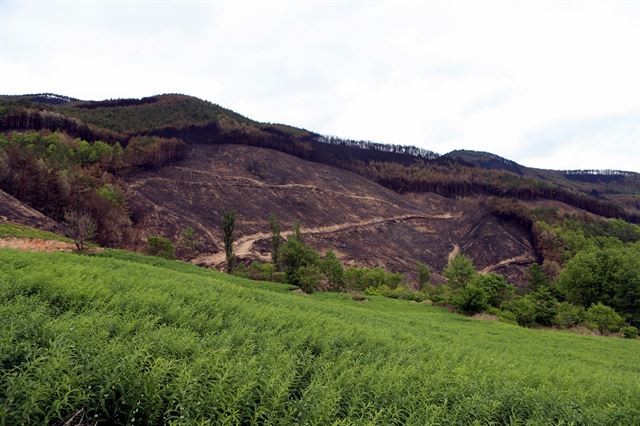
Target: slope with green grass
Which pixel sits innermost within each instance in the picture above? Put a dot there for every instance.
(139, 340)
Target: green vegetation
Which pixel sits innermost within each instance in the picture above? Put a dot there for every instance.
(9, 229)
(161, 247)
(228, 225)
(141, 340)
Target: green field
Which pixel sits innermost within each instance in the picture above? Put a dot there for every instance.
(10, 229)
(138, 340)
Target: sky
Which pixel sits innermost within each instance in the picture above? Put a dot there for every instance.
(546, 84)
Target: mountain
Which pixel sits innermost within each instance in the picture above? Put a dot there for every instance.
(183, 161)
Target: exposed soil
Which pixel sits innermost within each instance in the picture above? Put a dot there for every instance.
(35, 244)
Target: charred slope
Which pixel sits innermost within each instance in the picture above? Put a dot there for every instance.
(365, 223)
(14, 210)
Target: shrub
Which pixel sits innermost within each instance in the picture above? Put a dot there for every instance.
(568, 315)
(361, 278)
(459, 271)
(545, 306)
(261, 271)
(357, 296)
(524, 311)
(603, 318)
(471, 299)
(629, 332)
(161, 247)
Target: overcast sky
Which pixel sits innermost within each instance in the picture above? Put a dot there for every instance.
(547, 84)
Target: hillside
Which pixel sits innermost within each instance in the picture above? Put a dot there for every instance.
(364, 223)
(157, 165)
(121, 338)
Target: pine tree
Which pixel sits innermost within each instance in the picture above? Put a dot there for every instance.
(228, 225)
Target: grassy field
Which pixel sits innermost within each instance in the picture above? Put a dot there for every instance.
(138, 340)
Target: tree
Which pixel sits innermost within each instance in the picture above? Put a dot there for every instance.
(496, 286)
(603, 318)
(424, 275)
(161, 247)
(610, 276)
(296, 258)
(228, 225)
(79, 226)
(297, 233)
(536, 278)
(459, 271)
(332, 270)
(276, 239)
(188, 241)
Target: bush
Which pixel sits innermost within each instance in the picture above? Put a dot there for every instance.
(471, 299)
(361, 278)
(524, 311)
(568, 315)
(603, 318)
(545, 306)
(161, 247)
(261, 271)
(629, 332)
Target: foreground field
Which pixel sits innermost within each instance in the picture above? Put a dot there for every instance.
(138, 340)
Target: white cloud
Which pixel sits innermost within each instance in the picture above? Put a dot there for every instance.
(493, 76)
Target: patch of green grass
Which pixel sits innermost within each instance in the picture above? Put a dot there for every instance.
(10, 229)
(148, 341)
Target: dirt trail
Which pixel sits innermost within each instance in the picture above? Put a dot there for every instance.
(523, 259)
(35, 244)
(244, 245)
(453, 253)
(254, 183)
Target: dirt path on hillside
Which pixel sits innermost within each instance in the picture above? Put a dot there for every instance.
(254, 183)
(453, 253)
(244, 245)
(523, 259)
(35, 244)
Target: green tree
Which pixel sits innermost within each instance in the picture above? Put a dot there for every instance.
(276, 239)
(610, 276)
(161, 247)
(188, 241)
(603, 318)
(297, 233)
(537, 278)
(459, 271)
(496, 286)
(296, 258)
(228, 225)
(424, 275)
(332, 270)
